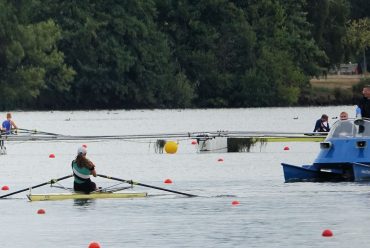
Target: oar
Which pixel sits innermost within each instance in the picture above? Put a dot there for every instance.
(37, 186)
(35, 131)
(145, 185)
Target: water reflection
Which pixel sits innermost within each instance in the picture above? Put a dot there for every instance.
(83, 202)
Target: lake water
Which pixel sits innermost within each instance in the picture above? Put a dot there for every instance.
(271, 213)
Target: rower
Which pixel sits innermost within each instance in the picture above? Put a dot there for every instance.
(82, 169)
(9, 125)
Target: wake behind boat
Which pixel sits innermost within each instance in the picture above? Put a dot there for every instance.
(344, 156)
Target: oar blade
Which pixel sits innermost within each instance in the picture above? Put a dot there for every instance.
(37, 186)
(145, 185)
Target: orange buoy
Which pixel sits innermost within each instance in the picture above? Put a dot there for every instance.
(234, 203)
(327, 233)
(5, 187)
(94, 245)
(52, 155)
(168, 181)
(41, 211)
(286, 148)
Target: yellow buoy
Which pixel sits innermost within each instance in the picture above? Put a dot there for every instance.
(170, 147)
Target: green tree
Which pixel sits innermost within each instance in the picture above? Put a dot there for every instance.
(212, 42)
(359, 9)
(328, 19)
(121, 59)
(317, 15)
(297, 38)
(358, 35)
(30, 60)
(285, 56)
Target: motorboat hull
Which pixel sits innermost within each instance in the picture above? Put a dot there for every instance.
(343, 156)
(315, 173)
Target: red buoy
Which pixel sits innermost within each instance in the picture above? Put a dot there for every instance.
(327, 233)
(234, 203)
(194, 142)
(168, 181)
(41, 211)
(52, 155)
(286, 148)
(5, 187)
(94, 245)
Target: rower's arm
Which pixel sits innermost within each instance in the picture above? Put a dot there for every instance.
(13, 124)
(92, 170)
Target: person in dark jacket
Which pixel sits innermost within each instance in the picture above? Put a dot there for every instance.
(322, 124)
(364, 103)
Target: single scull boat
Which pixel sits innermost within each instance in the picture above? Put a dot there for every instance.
(93, 195)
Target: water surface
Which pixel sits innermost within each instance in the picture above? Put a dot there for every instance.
(271, 213)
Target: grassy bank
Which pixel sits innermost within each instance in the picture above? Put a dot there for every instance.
(345, 82)
(334, 90)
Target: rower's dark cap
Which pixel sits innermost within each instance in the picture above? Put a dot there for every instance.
(325, 117)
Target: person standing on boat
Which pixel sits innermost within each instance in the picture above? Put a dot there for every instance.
(343, 116)
(363, 110)
(322, 124)
(82, 169)
(9, 125)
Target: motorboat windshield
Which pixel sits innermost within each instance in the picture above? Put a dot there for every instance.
(350, 128)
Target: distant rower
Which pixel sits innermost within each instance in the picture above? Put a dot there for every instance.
(8, 125)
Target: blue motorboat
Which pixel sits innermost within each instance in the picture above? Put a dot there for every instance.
(344, 156)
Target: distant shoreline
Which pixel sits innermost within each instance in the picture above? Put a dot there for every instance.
(344, 82)
(333, 90)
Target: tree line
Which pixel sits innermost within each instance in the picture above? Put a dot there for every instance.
(107, 54)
